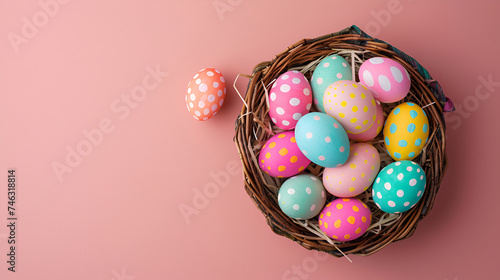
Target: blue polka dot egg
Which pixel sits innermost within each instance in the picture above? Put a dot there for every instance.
(322, 139)
(302, 196)
(406, 131)
(399, 186)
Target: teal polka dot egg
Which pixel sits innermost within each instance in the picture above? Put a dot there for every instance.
(322, 139)
(399, 186)
(302, 196)
(329, 70)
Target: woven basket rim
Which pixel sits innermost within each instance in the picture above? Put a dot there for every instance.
(252, 130)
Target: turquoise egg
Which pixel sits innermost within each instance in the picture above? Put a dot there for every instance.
(302, 196)
(329, 70)
(399, 186)
(322, 139)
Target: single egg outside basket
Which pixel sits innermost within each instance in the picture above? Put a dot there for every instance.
(254, 128)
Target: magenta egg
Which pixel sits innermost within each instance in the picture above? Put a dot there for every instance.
(281, 157)
(345, 219)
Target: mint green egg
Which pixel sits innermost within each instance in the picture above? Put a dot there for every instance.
(399, 186)
(302, 196)
(329, 70)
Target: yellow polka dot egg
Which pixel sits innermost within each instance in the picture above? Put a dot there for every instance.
(356, 174)
(373, 131)
(351, 104)
(406, 131)
(281, 157)
(345, 219)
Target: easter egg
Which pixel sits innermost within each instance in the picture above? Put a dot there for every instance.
(406, 131)
(322, 139)
(290, 98)
(356, 174)
(345, 219)
(302, 196)
(387, 80)
(351, 104)
(330, 69)
(281, 157)
(206, 93)
(399, 186)
(374, 130)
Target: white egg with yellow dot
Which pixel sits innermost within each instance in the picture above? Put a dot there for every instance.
(356, 174)
(373, 131)
(351, 104)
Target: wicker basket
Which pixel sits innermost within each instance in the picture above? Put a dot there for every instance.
(254, 128)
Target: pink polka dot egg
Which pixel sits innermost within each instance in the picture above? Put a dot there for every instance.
(205, 94)
(281, 157)
(290, 98)
(387, 80)
(356, 175)
(345, 219)
(351, 104)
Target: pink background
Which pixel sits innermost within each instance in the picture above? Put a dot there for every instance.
(116, 214)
